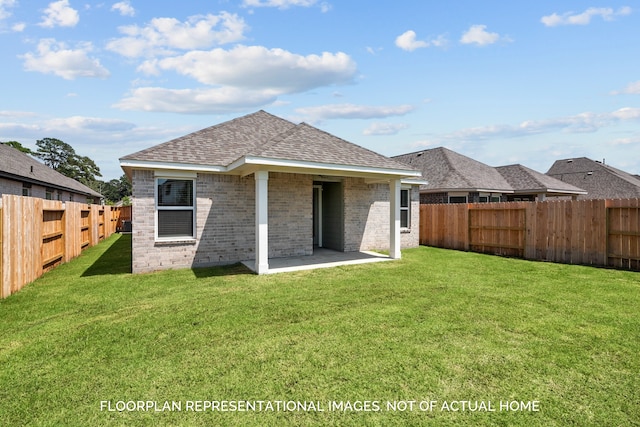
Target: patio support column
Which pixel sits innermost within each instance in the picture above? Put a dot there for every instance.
(262, 222)
(394, 215)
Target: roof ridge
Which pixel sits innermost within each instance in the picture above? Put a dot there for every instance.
(533, 175)
(275, 140)
(452, 167)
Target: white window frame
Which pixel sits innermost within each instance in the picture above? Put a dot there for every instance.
(406, 208)
(181, 177)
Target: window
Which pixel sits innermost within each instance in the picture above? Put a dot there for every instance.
(405, 211)
(26, 189)
(175, 208)
(457, 199)
(48, 194)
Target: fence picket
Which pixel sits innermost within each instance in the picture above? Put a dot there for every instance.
(37, 235)
(591, 232)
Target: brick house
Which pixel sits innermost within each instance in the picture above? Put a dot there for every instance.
(530, 185)
(601, 181)
(22, 175)
(454, 178)
(260, 187)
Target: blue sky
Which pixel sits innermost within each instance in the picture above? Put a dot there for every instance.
(502, 82)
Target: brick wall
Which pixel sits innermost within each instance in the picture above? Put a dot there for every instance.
(9, 186)
(367, 217)
(432, 198)
(290, 215)
(225, 221)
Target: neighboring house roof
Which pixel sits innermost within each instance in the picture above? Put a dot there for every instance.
(16, 165)
(599, 180)
(528, 181)
(447, 171)
(247, 143)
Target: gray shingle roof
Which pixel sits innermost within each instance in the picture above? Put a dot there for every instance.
(523, 179)
(262, 135)
(17, 165)
(446, 170)
(217, 145)
(599, 180)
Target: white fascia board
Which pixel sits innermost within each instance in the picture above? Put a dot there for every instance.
(318, 166)
(568, 192)
(414, 181)
(144, 164)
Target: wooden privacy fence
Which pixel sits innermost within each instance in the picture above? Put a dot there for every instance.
(590, 232)
(37, 235)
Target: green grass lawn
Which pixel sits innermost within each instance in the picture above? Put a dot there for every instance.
(437, 326)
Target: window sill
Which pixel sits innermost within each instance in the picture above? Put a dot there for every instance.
(405, 230)
(176, 241)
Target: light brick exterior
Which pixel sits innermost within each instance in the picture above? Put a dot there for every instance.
(367, 217)
(10, 186)
(225, 220)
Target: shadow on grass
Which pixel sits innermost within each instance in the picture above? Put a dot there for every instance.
(225, 270)
(115, 260)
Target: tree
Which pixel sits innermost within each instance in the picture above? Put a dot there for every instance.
(18, 146)
(60, 156)
(115, 189)
(56, 154)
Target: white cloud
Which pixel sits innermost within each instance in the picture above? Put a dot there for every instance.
(124, 7)
(256, 67)
(194, 101)
(5, 5)
(385, 128)
(352, 111)
(626, 141)
(56, 58)
(627, 113)
(587, 122)
(632, 88)
(478, 34)
(16, 114)
(285, 4)
(59, 14)
(408, 41)
(584, 18)
(81, 123)
(19, 27)
(163, 35)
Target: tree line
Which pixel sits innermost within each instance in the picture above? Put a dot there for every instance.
(61, 157)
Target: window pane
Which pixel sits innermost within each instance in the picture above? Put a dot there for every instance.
(458, 199)
(404, 218)
(175, 223)
(175, 192)
(404, 198)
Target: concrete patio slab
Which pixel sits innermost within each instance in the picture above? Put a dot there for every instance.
(321, 258)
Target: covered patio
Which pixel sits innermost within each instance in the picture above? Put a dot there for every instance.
(321, 258)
